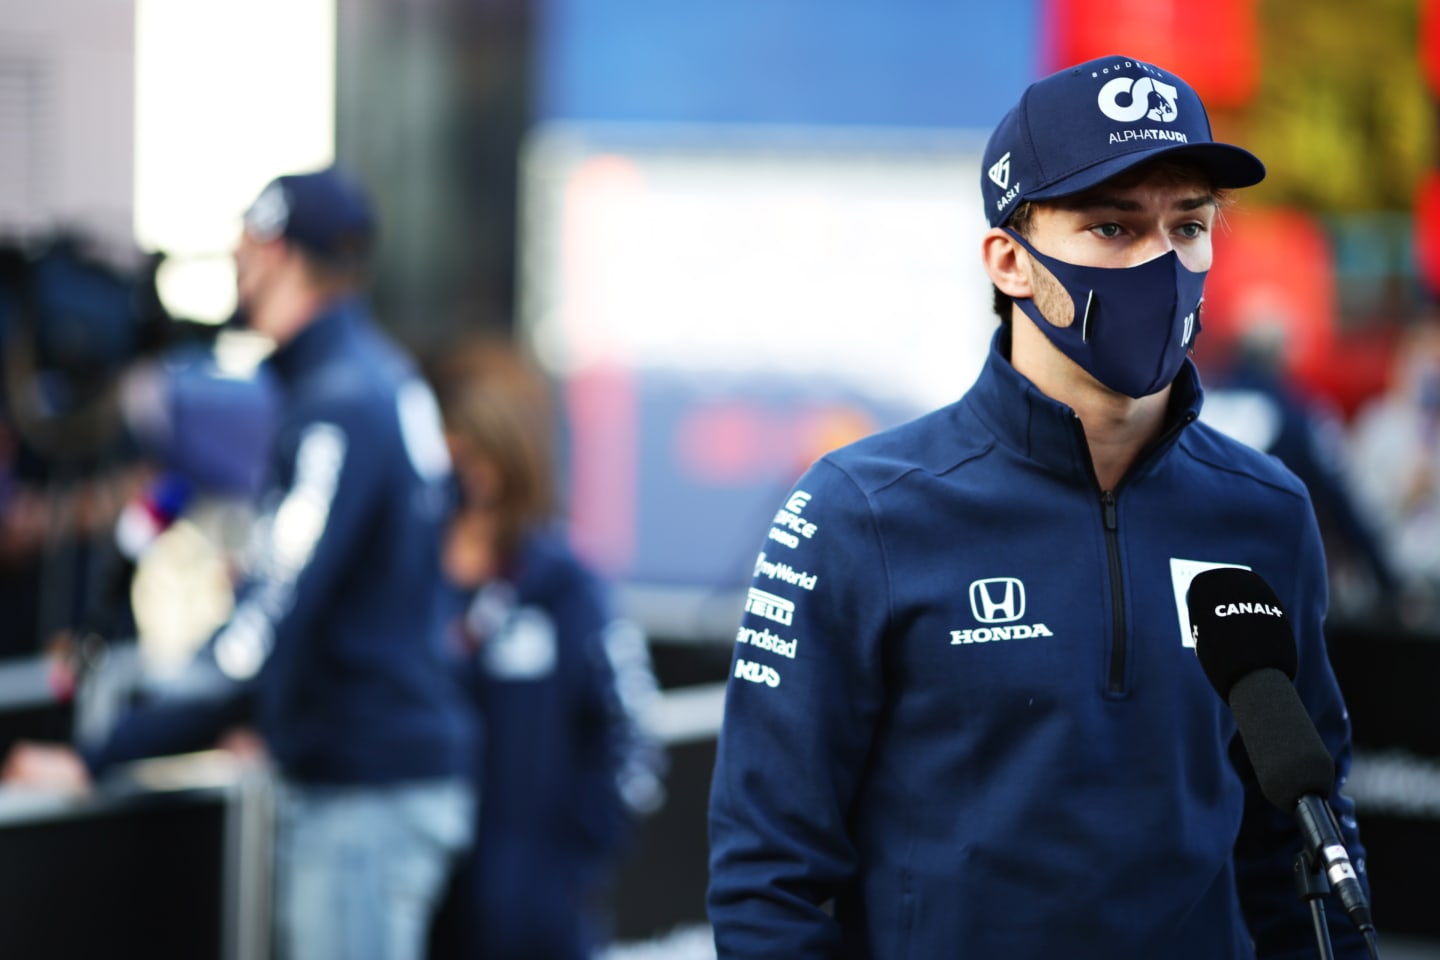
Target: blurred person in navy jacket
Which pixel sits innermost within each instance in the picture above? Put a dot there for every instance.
(560, 682)
(1252, 400)
(1395, 463)
(334, 650)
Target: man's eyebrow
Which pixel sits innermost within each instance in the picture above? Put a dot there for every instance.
(1107, 201)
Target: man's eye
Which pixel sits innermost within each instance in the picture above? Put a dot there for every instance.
(1107, 229)
(1191, 230)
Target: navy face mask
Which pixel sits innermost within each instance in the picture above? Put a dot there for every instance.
(1133, 325)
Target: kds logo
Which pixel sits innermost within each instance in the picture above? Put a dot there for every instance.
(757, 673)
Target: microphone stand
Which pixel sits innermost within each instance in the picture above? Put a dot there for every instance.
(1311, 883)
(1312, 886)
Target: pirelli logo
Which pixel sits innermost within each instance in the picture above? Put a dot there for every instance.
(770, 606)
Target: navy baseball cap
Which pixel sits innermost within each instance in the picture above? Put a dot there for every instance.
(1087, 123)
(326, 213)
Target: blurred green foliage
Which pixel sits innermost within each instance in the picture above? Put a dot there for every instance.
(1343, 118)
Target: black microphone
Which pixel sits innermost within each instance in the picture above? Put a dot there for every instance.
(1246, 647)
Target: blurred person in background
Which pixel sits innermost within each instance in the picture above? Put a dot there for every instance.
(1250, 397)
(561, 683)
(964, 716)
(1395, 463)
(54, 549)
(74, 317)
(334, 650)
(119, 430)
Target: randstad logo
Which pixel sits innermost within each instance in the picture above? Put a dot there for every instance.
(1127, 99)
(1000, 172)
(998, 600)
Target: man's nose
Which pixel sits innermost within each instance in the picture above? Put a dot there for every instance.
(1155, 243)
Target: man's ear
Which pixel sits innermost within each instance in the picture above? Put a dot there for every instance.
(1006, 263)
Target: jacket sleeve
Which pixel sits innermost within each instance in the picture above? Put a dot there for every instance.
(308, 528)
(611, 690)
(1269, 840)
(629, 692)
(334, 465)
(805, 689)
(183, 722)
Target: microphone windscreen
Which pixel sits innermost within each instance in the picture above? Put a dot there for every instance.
(1289, 758)
(1239, 627)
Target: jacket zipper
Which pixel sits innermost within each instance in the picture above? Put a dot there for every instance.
(1115, 683)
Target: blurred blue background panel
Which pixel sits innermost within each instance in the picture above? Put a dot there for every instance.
(675, 480)
(715, 465)
(902, 63)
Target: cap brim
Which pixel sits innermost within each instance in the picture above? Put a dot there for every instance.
(1228, 167)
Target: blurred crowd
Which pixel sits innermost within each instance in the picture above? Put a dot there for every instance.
(288, 538)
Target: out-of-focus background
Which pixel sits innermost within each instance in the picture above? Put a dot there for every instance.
(736, 234)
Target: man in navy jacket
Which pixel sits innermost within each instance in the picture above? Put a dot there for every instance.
(965, 717)
(338, 627)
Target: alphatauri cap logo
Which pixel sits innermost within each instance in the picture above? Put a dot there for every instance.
(1127, 99)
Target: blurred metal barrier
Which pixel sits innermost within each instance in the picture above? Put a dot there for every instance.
(1389, 676)
(170, 858)
(659, 893)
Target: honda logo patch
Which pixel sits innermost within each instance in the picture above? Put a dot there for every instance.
(997, 600)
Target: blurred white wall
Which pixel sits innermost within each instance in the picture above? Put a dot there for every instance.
(228, 94)
(67, 116)
(154, 123)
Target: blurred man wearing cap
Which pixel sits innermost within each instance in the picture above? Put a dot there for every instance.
(964, 715)
(334, 650)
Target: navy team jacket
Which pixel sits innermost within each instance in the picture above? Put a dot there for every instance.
(964, 715)
(335, 648)
(567, 764)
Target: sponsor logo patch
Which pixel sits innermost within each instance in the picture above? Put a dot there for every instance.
(765, 640)
(757, 673)
(998, 602)
(784, 573)
(770, 606)
(789, 527)
(1018, 631)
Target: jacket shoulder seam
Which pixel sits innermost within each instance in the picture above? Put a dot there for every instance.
(1233, 470)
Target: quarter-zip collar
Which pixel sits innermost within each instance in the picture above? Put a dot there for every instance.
(312, 344)
(1046, 431)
